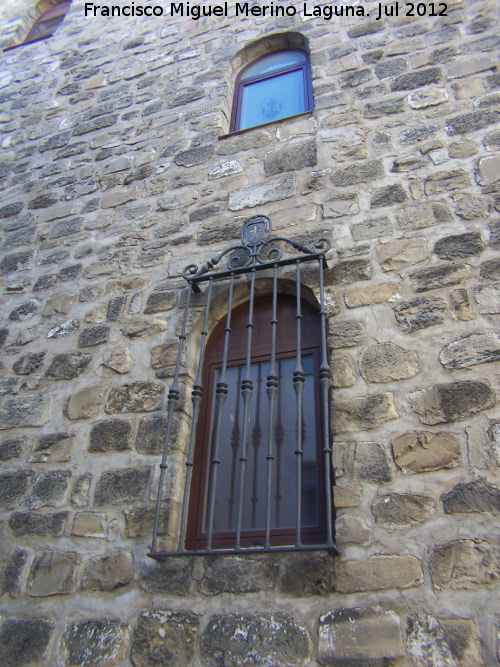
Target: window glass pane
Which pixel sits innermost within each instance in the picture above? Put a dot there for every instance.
(272, 99)
(284, 490)
(273, 62)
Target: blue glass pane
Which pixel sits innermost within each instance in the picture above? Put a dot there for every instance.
(273, 62)
(271, 99)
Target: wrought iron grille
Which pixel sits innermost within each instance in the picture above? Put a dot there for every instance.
(258, 251)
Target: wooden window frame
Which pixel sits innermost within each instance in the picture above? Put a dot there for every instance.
(305, 67)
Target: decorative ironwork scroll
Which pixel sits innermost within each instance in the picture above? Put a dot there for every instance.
(258, 251)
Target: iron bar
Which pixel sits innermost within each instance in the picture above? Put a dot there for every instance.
(220, 398)
(246, 392)
(272, 391)
(299, 379)
(196, 397)
(325, 379)
(250, 550)
(173, 397)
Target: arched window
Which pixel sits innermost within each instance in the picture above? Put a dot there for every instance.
(48, 22)
(273, 87)
(253, 500)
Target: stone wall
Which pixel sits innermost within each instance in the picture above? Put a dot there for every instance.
(115, 173)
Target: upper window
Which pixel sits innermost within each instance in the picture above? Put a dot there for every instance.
(274, 87)
(48, 22)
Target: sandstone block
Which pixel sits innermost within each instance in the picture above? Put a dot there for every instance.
(420, 313)
(403, 509)
(464, 564)
(275, 639)
(53, 573)
(396, 254)
(173, 577)
(21, 411)
(163, 637)
(477, 496)
(423, 215)
(490, 270)
(290, 158)
(85, 404)
(119, 359)
(343, 372)
(445, 181)
(429, 98)
(53, 448)
(308, 574)
(13, 488)
(110, 435)
(363, 413)
(385, 362)
(416, 79)
(140, 328)
(459, 245)
(388, 195)
(471, 351)
(150, 435)
(455, 401)
(348, 272)
(488, 298)
(348, 495)
(244, 142)
(80, 493)
(337, 207)
(462, 149)
(470, 122)
(160, 301)
(352, 636)
(425, 451)
(135, 397)
(384, 107)
(378, 573)
(109, 572)
(362, 172)
(216, 231)
(473, 208)
(24, 642)
(372, 294)
(352, 530)
(442, 275)
(371, 229)
(121, 486)
(139, 522)
(50, 488)
(370, 462)
(235, 574)
(273, 190)
(94, 642)
(427, 642)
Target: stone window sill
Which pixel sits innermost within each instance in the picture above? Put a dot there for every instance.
(258, 127)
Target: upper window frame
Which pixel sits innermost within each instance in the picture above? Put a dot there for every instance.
(305, 67)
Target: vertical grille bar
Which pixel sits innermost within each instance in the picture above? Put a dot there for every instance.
(220, 398)
(196, 397)
(173, 397)
(272, 391)
(325, 378)
(246, 392)
(298, 385)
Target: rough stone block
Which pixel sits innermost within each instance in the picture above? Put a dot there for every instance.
(109, 572)
(25, 311)
(384, 107)
(273, 639)
(470, 122)
(99, 641)
(388, 195)
(11, 448)
(428, 98)
(13, 488)
(425, 451)
(343, 372)
(488, 170)
(50, 488)
(347, 495)
(373, 294)
(350, 529)
(121, 486)
(370, 229)
(490, 270)
(426, 642)
(24, 642)
(10, 576)
(110, 435)
(308, 574)
(53, 448)
(371, 463)
(35, 523)
(80, 493)
(119, 359)
(67, 366)
(362, 413)
(403, 509)
(471, 351)
(160, 301)
(95, 335)
(443, 275)
(488, 298)
(474, 208)
(459, 245)
(18, 261)
(357, 636)
(416, 79)
(348, 272)
(236, 574)
(53, 573)
(386, 362)
(341, 206)
(244, 142)
(476, 496)
(396, 254)
(85, 403)
(362, 172)
(420, 313)
(290, 158)
(446, 181)
(273, 190)
(151, 435)
(378, 573)
(453, 402)
(139, 521)
(423, 215)
(89, 524)
(172, 577)
(135, 397)
(165, 637)
(464, 564)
